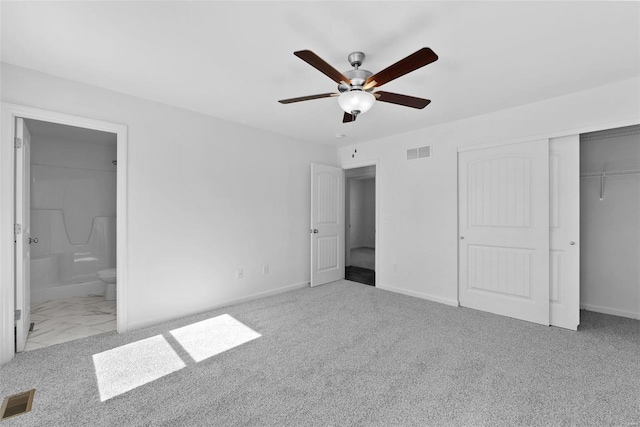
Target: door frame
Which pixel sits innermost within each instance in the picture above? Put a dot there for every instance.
(7, 184)
(358, 164)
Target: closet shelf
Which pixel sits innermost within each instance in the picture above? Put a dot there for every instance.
(603, 175)
(612, 173)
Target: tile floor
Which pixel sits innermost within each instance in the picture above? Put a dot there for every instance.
(69, 319)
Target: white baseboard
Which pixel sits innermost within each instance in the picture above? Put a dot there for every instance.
(609, 310)
(421, 295)
(67, 291)
(226, 303)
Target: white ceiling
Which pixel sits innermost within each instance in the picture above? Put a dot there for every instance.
(234, 60)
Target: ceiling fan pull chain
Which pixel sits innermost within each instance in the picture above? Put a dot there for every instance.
(355, 139)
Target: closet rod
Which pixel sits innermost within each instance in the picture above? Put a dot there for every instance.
(603, 175)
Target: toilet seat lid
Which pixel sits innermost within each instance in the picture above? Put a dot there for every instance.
(109, 272)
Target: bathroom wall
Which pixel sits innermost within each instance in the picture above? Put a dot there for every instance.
(610, 228)
(73, 212)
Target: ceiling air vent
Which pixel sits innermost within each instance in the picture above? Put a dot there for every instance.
(419, 153)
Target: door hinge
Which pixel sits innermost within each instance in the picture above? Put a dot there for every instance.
(18, 314)
(18, 143)
(17, 228)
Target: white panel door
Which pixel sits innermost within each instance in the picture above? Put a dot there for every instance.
(504, 230)
(23, 239)
(327, 224)
(564, 231)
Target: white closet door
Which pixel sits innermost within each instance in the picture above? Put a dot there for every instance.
(504, 230)
(327, 224)
(564, 231)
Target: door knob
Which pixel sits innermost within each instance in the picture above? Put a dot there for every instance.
(572, 243)
(314, 230)
(461, 237)
(33, 240)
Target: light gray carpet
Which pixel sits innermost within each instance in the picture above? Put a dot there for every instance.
(348, 354)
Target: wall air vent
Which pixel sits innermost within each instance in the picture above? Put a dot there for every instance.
(419, 153)
(412, 154)
(424, 151)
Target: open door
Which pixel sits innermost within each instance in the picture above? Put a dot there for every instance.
(564, 231)
(327, 224)
(23, 233)
(504, 230)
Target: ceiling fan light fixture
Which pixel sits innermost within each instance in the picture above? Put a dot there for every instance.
(356, 100)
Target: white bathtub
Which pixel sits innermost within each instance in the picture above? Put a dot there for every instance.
(60, 269)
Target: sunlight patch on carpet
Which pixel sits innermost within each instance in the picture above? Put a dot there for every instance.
(213, 336)
(129, 366)
(132, 365)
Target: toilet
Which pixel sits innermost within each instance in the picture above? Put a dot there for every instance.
(108, 276)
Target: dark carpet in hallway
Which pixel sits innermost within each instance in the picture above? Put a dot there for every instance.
(360, 275)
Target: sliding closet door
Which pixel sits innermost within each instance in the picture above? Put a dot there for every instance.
(564, 231)
(504, 230)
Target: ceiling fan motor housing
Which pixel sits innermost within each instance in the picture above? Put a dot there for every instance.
(358, 77)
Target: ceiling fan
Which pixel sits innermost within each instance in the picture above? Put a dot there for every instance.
(355, 87)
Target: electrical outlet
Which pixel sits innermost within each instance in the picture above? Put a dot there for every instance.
(239, 274)
(265, 269)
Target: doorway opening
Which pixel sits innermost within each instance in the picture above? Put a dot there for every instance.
(360, 220)
(15, 248)
(70, 216)
(610, 221)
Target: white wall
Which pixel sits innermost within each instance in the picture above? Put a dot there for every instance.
(418, 198)
(369, 217)
(610, 228)
(206, 197)
(362, 210)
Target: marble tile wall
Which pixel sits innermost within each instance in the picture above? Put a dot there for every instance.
(69, 319)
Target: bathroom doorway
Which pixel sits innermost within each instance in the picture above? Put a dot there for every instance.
(74, 209)
(360, 220)
(72, 242)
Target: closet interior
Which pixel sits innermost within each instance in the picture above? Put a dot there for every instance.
(610, 221)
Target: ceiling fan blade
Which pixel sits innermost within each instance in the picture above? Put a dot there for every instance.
(405, 100)
(307, 98)
(319, 63)
(411, 63)
(347, 118)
